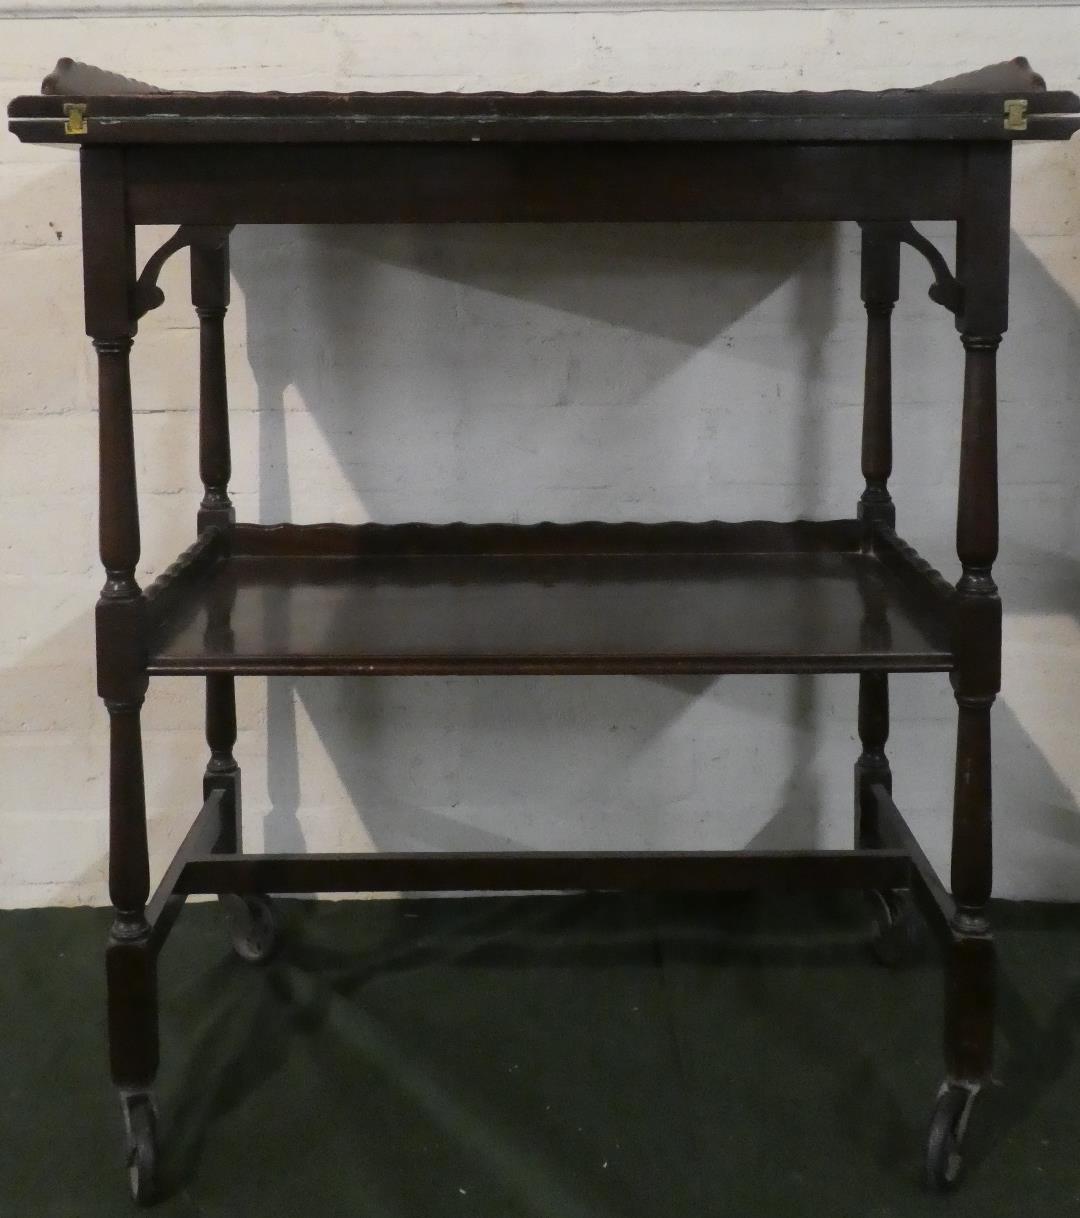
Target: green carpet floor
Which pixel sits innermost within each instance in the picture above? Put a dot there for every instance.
(571, 1057)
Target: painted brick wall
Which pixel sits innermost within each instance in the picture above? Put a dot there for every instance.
(524, 374)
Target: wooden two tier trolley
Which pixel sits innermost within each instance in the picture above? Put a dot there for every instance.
(594, 598)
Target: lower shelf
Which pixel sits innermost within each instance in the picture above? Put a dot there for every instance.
(591, 598)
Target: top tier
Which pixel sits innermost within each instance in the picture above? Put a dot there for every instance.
(80, 104)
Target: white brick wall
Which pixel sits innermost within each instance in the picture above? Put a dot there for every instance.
(523, 374)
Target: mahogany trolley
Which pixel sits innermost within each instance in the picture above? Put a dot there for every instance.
(706, 597)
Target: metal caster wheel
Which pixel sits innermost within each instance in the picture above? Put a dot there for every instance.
(140, 1132)
(253, 925)
(899, 931)
(944, 1161)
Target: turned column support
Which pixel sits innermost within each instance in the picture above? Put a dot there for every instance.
(880, 289)
(880, 286)
(118, 523)
(977, 507)
(982, 247)
(977, 636)
(222, 771)
(129, 868)
(210, 296)
(872, 768)
(109, 276)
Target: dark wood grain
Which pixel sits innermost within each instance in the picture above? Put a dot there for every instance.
(132, 1012)
(970, 998)
(831, 596)
(655, 870)
(129, 870)
(582, 538)
(872, 767)
(118, 525)
(108, 243)
(222, 770)
(433, 182)
(210, 833)
(970, 113)
(443, 603)
(983, 274)
(891, 832)
(210, 296)
(977, 511)
(880, 284)
(880, 289)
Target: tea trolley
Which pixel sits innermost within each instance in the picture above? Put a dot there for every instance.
(833, 596)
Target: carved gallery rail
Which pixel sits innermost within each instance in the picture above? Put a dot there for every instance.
(690, 597)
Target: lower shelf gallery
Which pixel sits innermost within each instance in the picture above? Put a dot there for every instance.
(804, 596)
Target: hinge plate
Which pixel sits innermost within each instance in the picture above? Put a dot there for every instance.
(74, 118)
(1016, 114)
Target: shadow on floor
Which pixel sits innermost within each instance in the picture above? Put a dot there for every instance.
(569, 1056)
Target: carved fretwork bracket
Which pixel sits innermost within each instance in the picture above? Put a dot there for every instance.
(147, 294)
(945, 290)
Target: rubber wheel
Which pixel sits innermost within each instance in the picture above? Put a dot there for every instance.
(944, 1160)
(899, 931)
(254, 926)
(140, 1125)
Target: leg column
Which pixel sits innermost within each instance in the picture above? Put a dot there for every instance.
(970, 960)
(969, 1006)
(872, 767)
(122, 684)
(109, 275)
(983, 274)
(130, 962)
(222, 772)
(880, 289)
(251, 919)
(210, 296)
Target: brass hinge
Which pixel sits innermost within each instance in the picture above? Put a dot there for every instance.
(1016, 114)
(74, 118)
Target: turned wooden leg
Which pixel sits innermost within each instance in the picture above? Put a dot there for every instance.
(131, 975)
(970, 959)
(122, 683)
(872, 767)
(222, 772)
(982, 254)
(983, 272)
(132, 991)
(880, 289)
(130, 959)
(251, 919)
(210, 296)
(969, 1019)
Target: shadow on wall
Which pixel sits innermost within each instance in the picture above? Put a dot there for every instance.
(393, 325)
(496, 373)
(415, 350)
(1039, 420)
(389, 341)
(407, 346)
